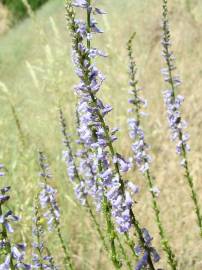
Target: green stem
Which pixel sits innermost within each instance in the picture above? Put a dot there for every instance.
(111, 233)
(38, 237)
(130, 243)
(193, 192)
(97, 227)
(166, 246)
(67, 259)
(142, 241)
(124, 253)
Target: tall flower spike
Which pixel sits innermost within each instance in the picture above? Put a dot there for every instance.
(80, 189)
(87, 169)
(14, 253)
(94, 130)
(173, 102)
(141, 156)
(47, 198)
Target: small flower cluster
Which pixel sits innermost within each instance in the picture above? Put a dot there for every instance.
(70, 160)
(143, 262)
(47, 195)
(14, 253)
(41, 257)
(139, 146)
(172, 101)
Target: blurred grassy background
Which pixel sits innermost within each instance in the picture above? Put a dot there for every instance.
(36, 67)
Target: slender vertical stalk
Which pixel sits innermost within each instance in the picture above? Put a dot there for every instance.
(169, 59)
(97, 227)
(140, 137)
(37, 232)
(111, 233)
(165, 243)
(122, 249)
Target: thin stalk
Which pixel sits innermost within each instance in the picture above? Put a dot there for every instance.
(165, 243)
(18, 124)
(124, 254)
(67, 258)
(97, 226)
(38, 237)
(111, 233)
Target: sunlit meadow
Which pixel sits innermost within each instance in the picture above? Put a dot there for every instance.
(37, 78)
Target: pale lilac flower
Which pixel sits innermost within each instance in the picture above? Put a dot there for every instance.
(47, 196)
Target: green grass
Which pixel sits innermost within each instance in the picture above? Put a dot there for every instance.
(36, 104)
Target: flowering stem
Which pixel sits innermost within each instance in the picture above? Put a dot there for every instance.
(8, 245)
(137, 104)
(116, 166)
(106, 206)
(68, 146)
(141, 238)
(67, 259)
(86, 81)
(167, 56)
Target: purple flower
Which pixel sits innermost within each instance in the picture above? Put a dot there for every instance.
(40, 257)
(47, 196)
(143, 262)
(172, 100)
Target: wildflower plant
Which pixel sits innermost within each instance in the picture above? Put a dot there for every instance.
(48, 202)
(41, 256)
(11, 254)
(173, 102)
(97, 135)
(140, 149)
